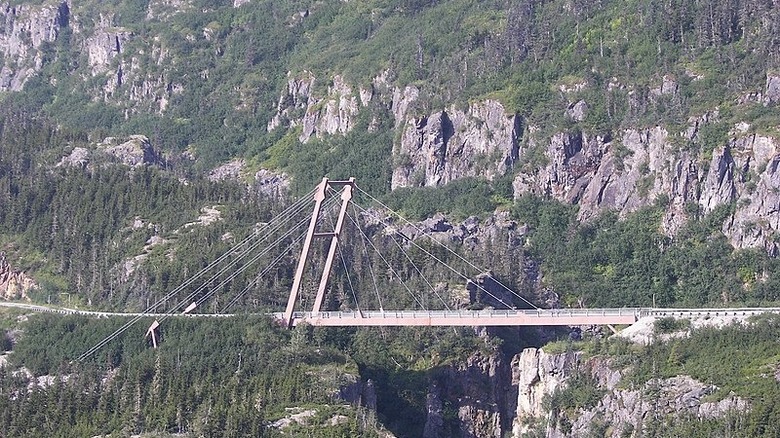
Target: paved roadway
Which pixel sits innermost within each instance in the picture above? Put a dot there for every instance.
(40, 308)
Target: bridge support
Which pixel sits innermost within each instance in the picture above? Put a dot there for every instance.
(151, 331)
(319, 197)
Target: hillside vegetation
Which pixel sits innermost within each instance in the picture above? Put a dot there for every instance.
(229, 65)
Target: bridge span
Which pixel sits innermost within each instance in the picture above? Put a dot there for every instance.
(462, 318)
(490, 317)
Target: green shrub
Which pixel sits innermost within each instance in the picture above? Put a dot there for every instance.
(5, 342)
(582, 392)
(670, 324)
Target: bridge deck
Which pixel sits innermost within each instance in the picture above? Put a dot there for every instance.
(471, 317)
(561, 317)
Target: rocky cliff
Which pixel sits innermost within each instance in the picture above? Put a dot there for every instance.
(132, 151)
(25, 31)
(14, 284)
(646, 166)
(624, 169)
(621, 171)
(478, 390)
(434, 148)
(619, 411)
(481, 140)
(119, 64)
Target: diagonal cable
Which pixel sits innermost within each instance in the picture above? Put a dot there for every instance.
(229, 278)
(344, 263)
(368, 259)
(349, 280)
(455, 271)
(234, 262)
(393, 271)
(416, 268)
(261, 274)
(265, 271)
(443, 245)
(287, 213)
(233, 275)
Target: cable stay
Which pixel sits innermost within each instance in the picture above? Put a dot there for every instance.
(411, 262)
(239, 250)
(450, 268)
(389, 266)
(365, 252)
(239, 271)
(381, 204)
(266, 251)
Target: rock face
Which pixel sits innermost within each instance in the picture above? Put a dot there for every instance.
(228, 171)
(481, 391)
(643, 167)
(271, 184)
(772, 89)
(434, 149)
(265, 183)
(14, 284)
(125, 75)
(480, 141)
(539, 374)
(622, 171)
(494, 230)
(24, 30)
(333, 113)
(119, 75)
(133, 151)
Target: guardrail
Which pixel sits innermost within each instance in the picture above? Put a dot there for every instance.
(637, 312)
(488, 313)
(735, 311)
(99, 314)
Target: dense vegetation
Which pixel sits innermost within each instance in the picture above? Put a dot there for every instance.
(228, 377)
(215, 378)
(231, 66)
(610, 262)
(71, 227)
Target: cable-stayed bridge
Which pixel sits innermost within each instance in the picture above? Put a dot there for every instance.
(406, 275)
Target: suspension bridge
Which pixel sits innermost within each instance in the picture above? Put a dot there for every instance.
(316, 227)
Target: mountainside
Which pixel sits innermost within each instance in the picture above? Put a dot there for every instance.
(587, 152)
(585, 112)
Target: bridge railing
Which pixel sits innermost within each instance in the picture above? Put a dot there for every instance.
(735, 311)
(489, 313)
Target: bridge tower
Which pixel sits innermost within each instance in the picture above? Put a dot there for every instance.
(320, 195)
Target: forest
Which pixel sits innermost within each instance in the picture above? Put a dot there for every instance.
(221, 377)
